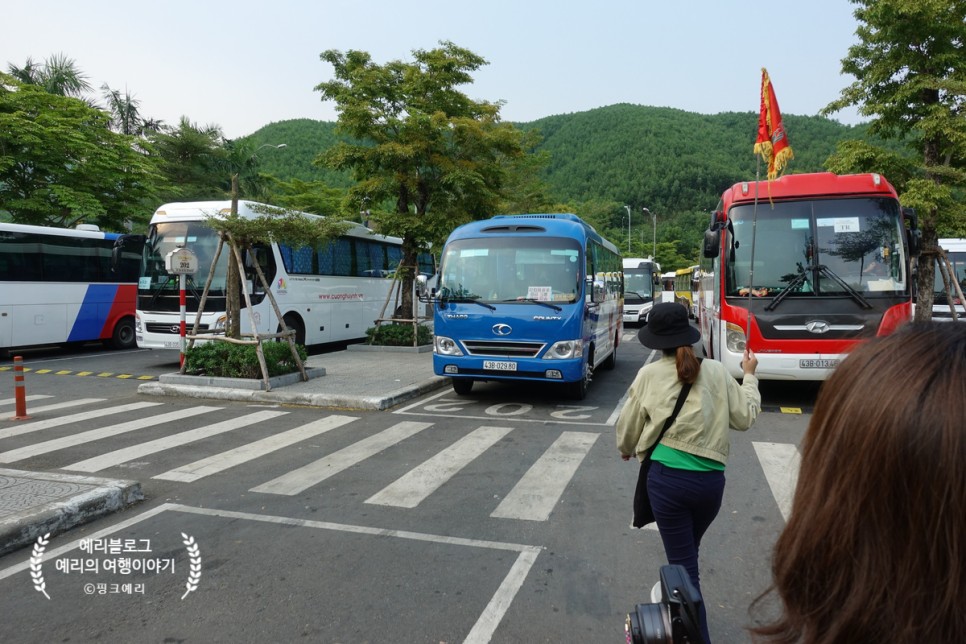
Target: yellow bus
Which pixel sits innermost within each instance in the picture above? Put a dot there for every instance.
(684, 287)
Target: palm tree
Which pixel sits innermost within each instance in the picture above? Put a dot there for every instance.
(57, 75)
(125, 117)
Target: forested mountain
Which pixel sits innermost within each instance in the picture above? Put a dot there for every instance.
(675, 163)
(664, 158)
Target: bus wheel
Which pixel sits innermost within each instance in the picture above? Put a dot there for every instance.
(123, 336)
(295, 324)
(462, 386)
(578, 390)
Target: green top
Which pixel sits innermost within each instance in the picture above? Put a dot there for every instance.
(683, 461)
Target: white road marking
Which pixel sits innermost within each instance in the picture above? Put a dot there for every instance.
(231, 458)
(126, 454)
(780, 462)
(97, 434)
(535, 495)
(314, 473)
(37, 425)
(417, 484)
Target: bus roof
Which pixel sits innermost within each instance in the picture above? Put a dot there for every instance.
(50, 230)
(953, 245)
(565, 224)
(200, 210)
(817, 184)
(640, 262)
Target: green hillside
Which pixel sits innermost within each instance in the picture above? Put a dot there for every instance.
(675, 163)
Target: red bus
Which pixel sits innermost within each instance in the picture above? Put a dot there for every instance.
(827, 260)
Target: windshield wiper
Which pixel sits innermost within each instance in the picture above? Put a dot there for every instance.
(827, 272)
(535, 301)
(795, 283)
(157, 291)
(474, 300)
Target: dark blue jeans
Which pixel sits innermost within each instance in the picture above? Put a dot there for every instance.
(685, 503)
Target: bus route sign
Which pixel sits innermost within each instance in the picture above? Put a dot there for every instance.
(181, 261)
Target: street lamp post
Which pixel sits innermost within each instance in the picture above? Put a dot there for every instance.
(628, 229)
(654, 225)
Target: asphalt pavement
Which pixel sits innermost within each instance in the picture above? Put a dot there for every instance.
(36, 504)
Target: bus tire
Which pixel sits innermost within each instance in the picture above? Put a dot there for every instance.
(462, 386)
(123, 336)
(295, 324)
(578, 389)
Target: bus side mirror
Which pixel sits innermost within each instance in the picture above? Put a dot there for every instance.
(712, 243)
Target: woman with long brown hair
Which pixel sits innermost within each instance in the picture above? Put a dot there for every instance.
(687, 452)
(875, 547)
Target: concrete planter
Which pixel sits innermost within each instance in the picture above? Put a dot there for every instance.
(239, 383)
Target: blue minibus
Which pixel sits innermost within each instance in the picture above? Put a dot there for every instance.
(534, 297)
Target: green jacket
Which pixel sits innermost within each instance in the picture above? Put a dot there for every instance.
(715, 403)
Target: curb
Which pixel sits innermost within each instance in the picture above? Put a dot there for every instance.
(74, 500)
(340, 401)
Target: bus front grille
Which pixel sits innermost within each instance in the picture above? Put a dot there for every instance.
(502, 348)
(174, 329)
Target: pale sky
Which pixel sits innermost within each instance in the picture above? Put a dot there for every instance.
(244, 64)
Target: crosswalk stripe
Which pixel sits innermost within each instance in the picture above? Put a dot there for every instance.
(535, 495)
(64, 405)
(780, 463)
(126, 454)
(11, 401)
(231, 458)
(305, 477)
(412, 488)
(97, 434)
(37, 425)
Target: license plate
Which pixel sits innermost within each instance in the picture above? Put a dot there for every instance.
(172, 345)
(499, 365)
(817, 364)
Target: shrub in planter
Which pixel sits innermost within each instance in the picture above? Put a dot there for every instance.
(398, 335)
(227, 360)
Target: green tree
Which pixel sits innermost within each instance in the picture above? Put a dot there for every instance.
(56, 75)
(61, 165)
(192, 157)
(434, 155)
(910, 70)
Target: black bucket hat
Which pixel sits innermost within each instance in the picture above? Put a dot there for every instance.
(668, 327)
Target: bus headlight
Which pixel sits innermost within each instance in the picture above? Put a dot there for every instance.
(564, 350)
(220, 323)
(735, 338)
(446, 346)
(137, 323)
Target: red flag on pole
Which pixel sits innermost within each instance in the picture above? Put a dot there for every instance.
(772, 143)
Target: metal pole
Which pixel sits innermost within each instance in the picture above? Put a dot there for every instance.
(628, 229)
(182, 306)
(20, 391)
(645, 211)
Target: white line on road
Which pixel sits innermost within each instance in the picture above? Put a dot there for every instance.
(231, 458)
(126, 454)
(10, 401)
(780, 463)
(37, 425)
(97, 434)
(305, 477)
(417, 484)
(535, 495)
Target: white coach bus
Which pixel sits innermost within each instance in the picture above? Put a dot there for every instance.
(328, 294)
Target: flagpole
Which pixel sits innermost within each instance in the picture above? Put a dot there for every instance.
(751, 268)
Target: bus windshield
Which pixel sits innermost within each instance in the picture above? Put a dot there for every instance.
(168, 236)
(511, 269)
(638, 284)
(830, 247)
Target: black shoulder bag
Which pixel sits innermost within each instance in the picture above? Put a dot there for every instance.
(642, 503)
